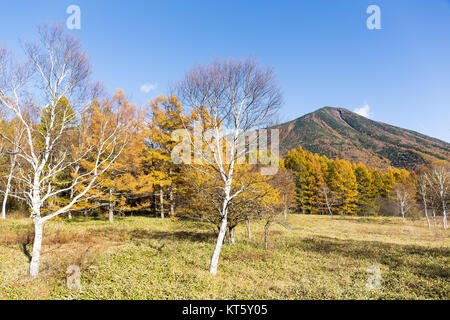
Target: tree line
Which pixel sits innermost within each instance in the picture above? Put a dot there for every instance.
(338, 186)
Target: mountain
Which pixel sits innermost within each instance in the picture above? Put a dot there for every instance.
(338, 132)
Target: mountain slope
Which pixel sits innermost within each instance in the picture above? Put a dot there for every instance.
(338, 132)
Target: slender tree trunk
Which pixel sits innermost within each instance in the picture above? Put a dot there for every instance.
(111, 212)
(220, 238)
(38, 224)
(171, 197)
(285, 212)
(329, 210)
(425, 208)
(266, 235)
(444, 214)
(172, 204)
(231, 236)
(37, 245)
(155, 204)
(161, 201)
(403, 214)
(5, 200)
(8, 187)
(111, 207)
(434, 218)
(69, 214)
(249, 231)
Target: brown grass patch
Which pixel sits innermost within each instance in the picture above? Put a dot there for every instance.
(250, 256)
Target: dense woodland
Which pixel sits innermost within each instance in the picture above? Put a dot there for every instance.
(69, 149)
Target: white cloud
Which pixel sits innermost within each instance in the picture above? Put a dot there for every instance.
(147, 87)
(363, 111)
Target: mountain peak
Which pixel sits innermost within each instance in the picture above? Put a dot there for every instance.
(339, 132)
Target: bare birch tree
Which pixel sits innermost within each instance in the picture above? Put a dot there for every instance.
(57, 69)
(232, 98)
(439, 181)
(404, 197)
(423, 190)
(329, 197)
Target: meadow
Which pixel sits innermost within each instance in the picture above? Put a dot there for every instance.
(149, 258)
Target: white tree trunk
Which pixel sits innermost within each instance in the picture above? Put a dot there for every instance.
(434, 218)
(111, 212)
(329, 210)
(111, 207)
(38, 225)
(220, 238)
(8, 188)
(69, 214)
(171, 197)
(5, 199)
(444, 218)
(285, 212)
(426, 213)
(231, 235)
(161, 202)
(402, 211)
(37, 245)
(172, 204)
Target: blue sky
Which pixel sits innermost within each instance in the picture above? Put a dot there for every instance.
(322, 51)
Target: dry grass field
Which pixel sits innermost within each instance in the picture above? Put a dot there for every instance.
(147, 258)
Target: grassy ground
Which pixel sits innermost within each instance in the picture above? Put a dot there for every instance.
(146, 258)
